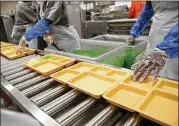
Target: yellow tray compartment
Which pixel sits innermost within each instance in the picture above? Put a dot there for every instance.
(67, 62)
(160, 107)
(59, 59)
(92, 84)
(125, 96)
(82, 67)
(65, 75)
(117, 74)
(47, 67)
(146, 85)
(100, 70)
(168, 86)
(32, 62)
(48, 57)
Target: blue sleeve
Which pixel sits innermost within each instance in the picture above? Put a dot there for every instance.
(38, 30)
(143, 20)
(170, 43)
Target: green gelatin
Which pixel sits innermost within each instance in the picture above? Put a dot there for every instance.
(46, 57)
(114, 60)
(125, 61)
(90, 53)
(130, 56)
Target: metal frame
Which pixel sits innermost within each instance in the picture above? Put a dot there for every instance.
(26, 105)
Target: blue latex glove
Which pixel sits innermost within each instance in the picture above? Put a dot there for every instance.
(143, 20)
(38, 30)
(170, 43)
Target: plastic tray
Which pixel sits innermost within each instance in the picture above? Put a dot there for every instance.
(146, 85)
(10, 52)
(4, 44)
(168, 86)
(84, 44)
(101, 70)
(161, 107)
(125, 96)
(117, 74)
(92, 84)
(82, 67)
(65, 75)
(46, 67)
(59, 59)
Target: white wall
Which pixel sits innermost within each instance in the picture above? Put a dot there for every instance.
(123, 3)
(7, 6)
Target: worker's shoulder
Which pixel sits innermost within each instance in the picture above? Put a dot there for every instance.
(21, 6)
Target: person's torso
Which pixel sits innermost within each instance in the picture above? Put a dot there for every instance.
(60, 18)
(20, 10)
(165, 17)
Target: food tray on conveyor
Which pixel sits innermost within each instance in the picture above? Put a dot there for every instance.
(49, 63)
(85, 49)
(10, 52)
(125, 96)
(90, 78)
(153, 101)
(5, 44)
(146, 85)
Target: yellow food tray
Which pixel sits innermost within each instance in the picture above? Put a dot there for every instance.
(146, 85)
(100, 70)
(59, 59)
(83, 67)
(46, 67)
(10, 52)
(92, 84)
(65, 75)
(160, 107)
(32, 62)
(125, 96)
(168, 86)
(117, 74)
(4, 44)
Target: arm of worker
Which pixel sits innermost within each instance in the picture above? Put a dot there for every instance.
(51, 14)
(53, 11)
(155, 61)
(39, 29)
(131, 11)
(144, 18)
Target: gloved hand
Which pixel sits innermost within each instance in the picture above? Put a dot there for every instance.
(48, 37)
(152, 63)
(38, 30)
(22, 45)
(131, 40)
